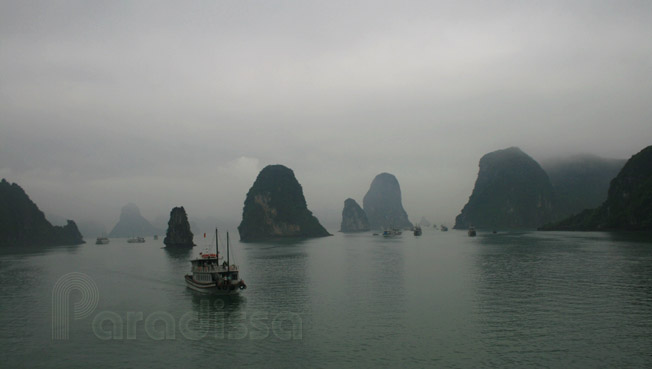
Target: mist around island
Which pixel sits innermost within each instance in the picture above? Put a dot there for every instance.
(109, 104)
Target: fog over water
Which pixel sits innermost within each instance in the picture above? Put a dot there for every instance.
(182, 103)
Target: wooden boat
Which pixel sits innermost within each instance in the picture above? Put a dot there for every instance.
(208, 275)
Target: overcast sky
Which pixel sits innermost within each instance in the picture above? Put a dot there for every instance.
(182, 103)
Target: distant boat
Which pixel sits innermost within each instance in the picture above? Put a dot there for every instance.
(392, 232)
(471, 231)
(444, 228)
(102, 241)
(209, 276)
(417, 231)
(136, 240)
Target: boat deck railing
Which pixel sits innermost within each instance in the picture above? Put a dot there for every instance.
(214, 268)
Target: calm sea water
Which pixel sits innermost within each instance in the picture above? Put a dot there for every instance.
(557, 300)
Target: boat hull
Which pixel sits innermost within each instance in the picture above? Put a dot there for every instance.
(211, 288)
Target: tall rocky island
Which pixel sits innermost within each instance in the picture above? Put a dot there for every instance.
(132, 224)
(628, 205)
(383, 204)
(511, 191)
(178, 233)
(23, 224)
(275, 207)
(354, 219)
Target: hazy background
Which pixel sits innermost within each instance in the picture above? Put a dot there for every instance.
(182, 103)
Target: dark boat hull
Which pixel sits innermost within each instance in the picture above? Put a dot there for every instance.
(213, 288)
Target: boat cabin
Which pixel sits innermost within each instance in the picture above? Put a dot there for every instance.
(207, 265)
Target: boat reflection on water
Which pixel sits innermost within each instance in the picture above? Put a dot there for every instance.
(227, 303)
(216, 316)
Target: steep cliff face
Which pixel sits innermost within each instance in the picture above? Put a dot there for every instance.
(275, 207)
(178, 233)
(511, 191)
(23, 224)
(629, 201)
(132, 224)
(354, 218)
(581, 181)
(383, 203)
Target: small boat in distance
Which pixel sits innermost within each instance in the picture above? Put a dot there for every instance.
(471, 231)
(392, 232)
(417, 231)
(102, 241)
(136, 240)
(209, 276)
(444, 228)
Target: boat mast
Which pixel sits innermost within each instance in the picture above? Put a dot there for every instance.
(228, 260)
(217, 253)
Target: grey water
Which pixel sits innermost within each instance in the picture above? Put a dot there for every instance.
(529, 299)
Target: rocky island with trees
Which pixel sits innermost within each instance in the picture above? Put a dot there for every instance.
(23, 224)
(276, 208)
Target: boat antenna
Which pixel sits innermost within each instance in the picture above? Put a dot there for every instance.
(228, 260)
